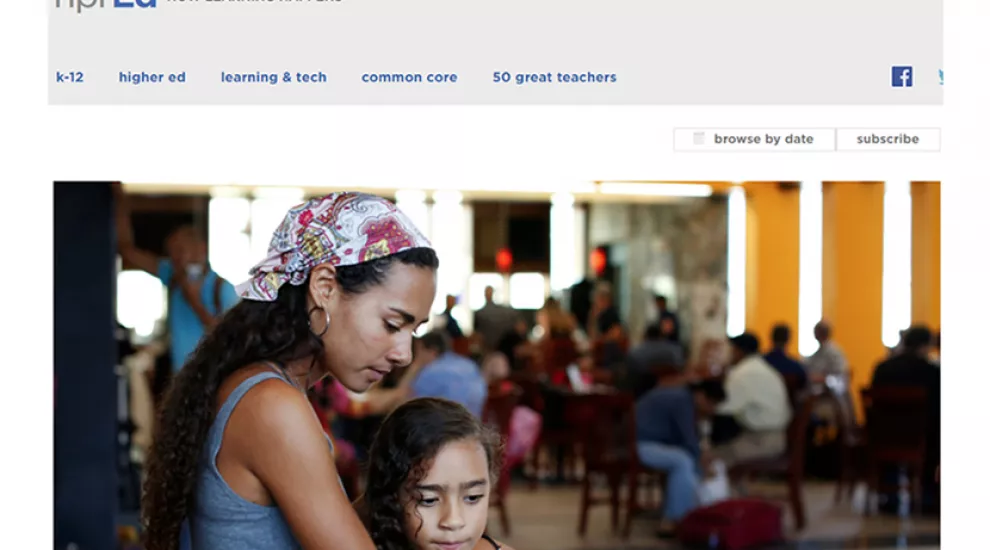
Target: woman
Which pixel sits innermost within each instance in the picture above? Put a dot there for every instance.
(431, 471)
(240, 453)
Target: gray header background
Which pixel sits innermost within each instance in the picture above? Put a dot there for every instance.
(733, 52)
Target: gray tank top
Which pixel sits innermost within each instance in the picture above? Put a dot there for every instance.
(221, 519)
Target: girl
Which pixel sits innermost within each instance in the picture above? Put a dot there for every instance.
(431, 470)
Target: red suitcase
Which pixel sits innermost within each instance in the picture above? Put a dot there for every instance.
(738, 524)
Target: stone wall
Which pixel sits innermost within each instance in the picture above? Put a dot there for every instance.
(677, 249)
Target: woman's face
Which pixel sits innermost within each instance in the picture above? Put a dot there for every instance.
(448, 508)
(371, 333)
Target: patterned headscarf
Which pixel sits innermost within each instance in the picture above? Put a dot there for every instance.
(340, 228)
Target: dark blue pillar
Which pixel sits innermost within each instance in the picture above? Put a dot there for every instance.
(85, 358)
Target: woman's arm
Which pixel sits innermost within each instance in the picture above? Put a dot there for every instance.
(290, 455)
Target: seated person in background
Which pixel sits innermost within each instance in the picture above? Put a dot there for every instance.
(756, 401)
(912, 368)
(667, 438)
(605, 327)
(330, 398)
(443, 373)
(431, 471)
(585, 364)
(516, 348)
(778, 358)
(654, 354)
(525, 424)
(828, 359)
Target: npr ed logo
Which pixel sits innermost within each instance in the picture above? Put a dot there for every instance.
(80, 5)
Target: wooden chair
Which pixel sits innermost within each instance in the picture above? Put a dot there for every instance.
(896, 426)
(461, 346)
(608, 440)
(852, 443)
(498, 411)
(793, 384)
(790, 464)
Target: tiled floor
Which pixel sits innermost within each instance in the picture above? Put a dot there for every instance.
(546, 519)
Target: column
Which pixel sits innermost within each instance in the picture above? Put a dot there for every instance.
(85, 355)
(563, 242)
(453, 239)
(268, 209)
(852, 274)
(580, 242)
(896, 260)
(412, 202)
(736, 263)
(810, 278)
(772, 258)
(229, 234)
(926, 253)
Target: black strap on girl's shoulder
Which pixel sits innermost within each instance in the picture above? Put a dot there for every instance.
(491, 540)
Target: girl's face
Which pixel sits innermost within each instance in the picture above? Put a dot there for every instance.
(448, 508)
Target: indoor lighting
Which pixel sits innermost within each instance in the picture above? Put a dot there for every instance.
(228, 240)
(896, 261)
(810, 266)
(289, 194)
(563, 252)
(736, 263)
(656, 189)
(412, 202)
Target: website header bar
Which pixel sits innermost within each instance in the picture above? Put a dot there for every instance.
(662, 52)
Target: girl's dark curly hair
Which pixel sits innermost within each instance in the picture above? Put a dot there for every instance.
(249, 333)
(402, 454)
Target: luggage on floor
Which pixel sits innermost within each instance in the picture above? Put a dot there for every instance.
(737, 524)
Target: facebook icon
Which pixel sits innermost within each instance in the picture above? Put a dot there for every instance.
(901, 77)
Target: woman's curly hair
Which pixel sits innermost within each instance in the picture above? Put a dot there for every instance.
(249, 333)
(402, 454)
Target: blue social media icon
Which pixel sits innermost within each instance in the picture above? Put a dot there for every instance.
(902, 77)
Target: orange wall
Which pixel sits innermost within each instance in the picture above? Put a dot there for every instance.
(772, 259)
(926, 254)
(852, 274)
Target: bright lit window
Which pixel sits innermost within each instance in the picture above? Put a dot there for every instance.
(896, 260)
(563, 271)
(527, 290)
(736, 315)
(230, 246)
(141, 301)
(810, 266)
(267, 213)
(451, 244)
(412, 203)
(476, 289)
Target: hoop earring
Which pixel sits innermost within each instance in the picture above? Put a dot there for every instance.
(326, 317)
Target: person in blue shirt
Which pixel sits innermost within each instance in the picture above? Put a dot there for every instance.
(197, 296)
(667, 438)
(778, 358)
(446, 374)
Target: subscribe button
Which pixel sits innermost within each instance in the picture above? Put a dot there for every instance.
(889, 139)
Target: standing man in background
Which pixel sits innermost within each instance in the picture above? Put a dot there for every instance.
(493, 321)
(197, 295)
(665, 316)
